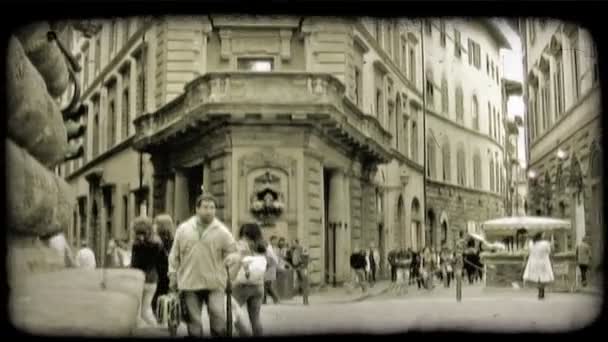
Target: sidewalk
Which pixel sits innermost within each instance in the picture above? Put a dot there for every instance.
(342, 294)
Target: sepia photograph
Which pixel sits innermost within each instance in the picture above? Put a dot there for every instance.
(249, 175)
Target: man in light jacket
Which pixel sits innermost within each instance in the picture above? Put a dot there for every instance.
(197, 260)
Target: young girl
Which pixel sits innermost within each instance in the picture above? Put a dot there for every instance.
(538, 268)
(146, 256)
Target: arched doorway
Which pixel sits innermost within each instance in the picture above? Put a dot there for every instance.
(444, 233)
(399, 223)
(416, 226)
(431, 238)
(94, 241)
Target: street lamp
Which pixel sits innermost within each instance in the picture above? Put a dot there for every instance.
(561, 154)
(532, 174)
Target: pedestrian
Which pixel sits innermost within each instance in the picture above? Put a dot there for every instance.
(164, 228)
(583, 259)
(58, 243)
(196, 266)
(358, 264)
(404, 262)
(374, 262)
(469, 261)
(426, 269)
(113, 258)
(300, 259)
(538, 268)
(85, 258)
(392, 257)
(415, 268)
(271, 272)
(146, 256)
(248, 286)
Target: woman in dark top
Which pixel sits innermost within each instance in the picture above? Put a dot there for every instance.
(146, 256)
(165, 229)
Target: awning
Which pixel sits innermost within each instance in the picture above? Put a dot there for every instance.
(529, 223)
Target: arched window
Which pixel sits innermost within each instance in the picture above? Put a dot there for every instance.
(461, 165)
(447, 164)
(400, 222)
(430, 88)
(397, 122)
(475, 113)
(430, 157)
(459, 105)
(445, 104)
(477, 170)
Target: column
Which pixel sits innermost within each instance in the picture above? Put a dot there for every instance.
(170, 195)
(181, 197)
(337, 217)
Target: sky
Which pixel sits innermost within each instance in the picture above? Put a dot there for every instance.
(513, 69)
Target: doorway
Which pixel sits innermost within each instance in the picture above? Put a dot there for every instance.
(194, 176)
(94, 243)
(330, 234)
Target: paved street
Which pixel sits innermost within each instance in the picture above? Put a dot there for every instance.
(493, 310)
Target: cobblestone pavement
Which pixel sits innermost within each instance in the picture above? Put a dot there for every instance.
(489, 310)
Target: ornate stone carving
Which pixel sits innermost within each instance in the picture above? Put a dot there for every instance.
(225, 38)
(285, 44)
(267, 184)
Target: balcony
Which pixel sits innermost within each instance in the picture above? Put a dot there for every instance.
(256, 97)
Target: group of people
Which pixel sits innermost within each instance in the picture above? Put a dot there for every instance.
(365, 265)
(408, 267)
(195, 260)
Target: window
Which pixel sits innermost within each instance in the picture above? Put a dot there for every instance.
(379, 32)
(255, 64)
(125, 114)
(404, 135)
(574, 55)
(96, 128)
(388, 39)
(532, 30)
(358, 85)
(140, 61)
(594, 59)
(442, 36)
(457, 50)
(492, 188)
(430, 157)
(82, 213)
(113, 37)
(111, 124)
(461, 163)
(414, 153)
(547, 114)
(428, 26)
(378, 104)
(487, 64)
(412, 66)
(444, 96)
(475, 113)
(497, 167)
(429, 89)
(404, 57)
(126, 102)
(470, 50)
(125, 212)
(489, 118)
(492, 67)
(97, 54)
(477, 171)
(459, 105)
(559, 86)
(445, 152)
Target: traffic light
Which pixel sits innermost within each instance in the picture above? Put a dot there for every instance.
(75, 130)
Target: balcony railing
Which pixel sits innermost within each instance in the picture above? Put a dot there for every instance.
(268, 95)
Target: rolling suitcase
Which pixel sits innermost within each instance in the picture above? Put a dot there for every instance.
(169, 311)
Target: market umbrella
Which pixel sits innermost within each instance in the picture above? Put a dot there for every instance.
(530, 223)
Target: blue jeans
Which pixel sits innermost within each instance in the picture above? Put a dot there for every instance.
(194, 300)
(252, 295)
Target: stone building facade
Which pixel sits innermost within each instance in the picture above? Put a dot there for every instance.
(465, 138)
(289, 124)
(563, 120)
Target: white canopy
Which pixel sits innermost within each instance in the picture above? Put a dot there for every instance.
(529, 223)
